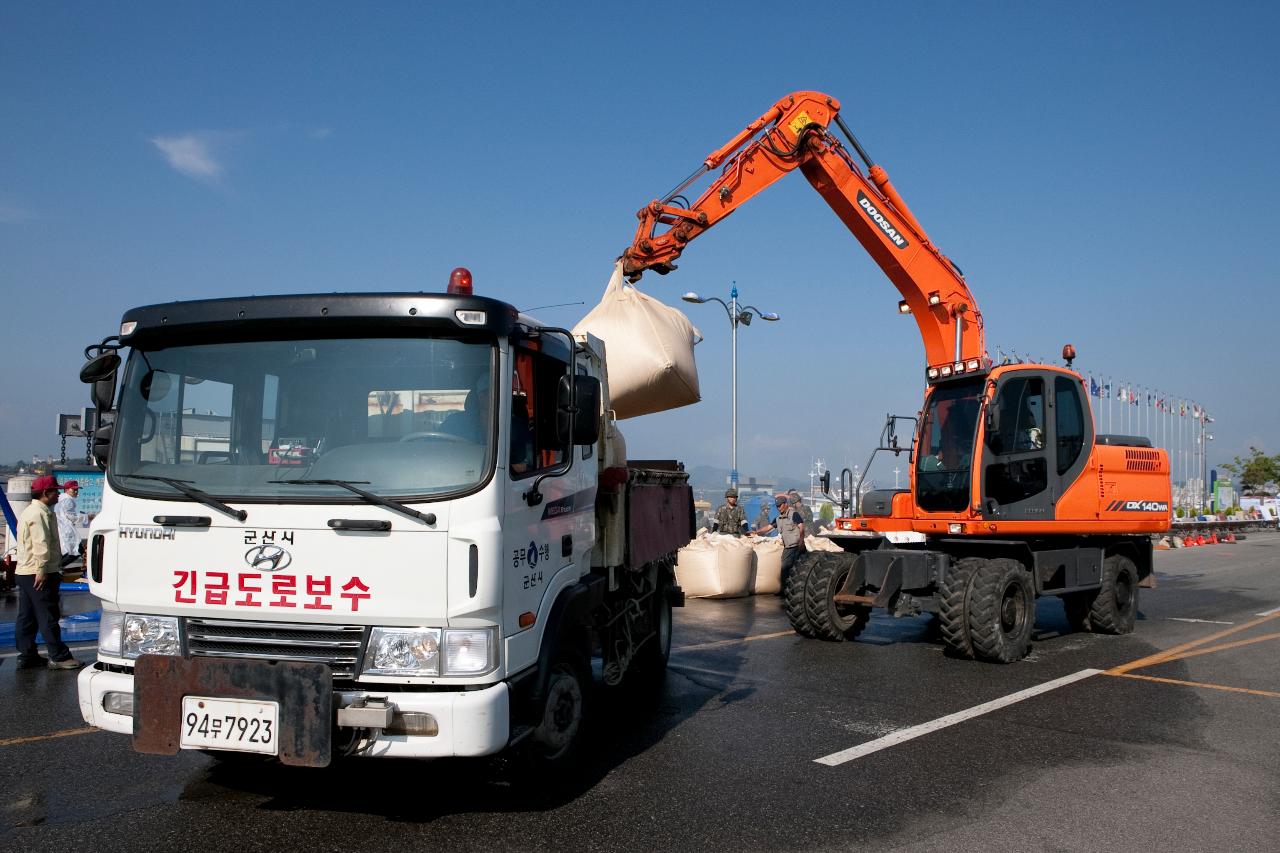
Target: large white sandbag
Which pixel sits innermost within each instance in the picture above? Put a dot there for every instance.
(735, 567)
(768, 577)
(820, 543)
(648, 350)
(696, 569)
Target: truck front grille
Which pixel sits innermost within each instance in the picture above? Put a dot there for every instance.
(335, 645)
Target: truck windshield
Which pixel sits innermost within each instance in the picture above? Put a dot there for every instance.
(944, 455)
(402, 416)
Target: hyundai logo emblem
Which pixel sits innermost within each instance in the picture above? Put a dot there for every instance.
(267, 558)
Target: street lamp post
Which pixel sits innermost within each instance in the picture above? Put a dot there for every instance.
(737, 315)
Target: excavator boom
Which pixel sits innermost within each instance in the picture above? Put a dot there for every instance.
(795, 134)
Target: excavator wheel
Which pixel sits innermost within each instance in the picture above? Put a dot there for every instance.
(831, 621)
(1001, 610)
(1116, 606)
(952, 606)
(794, 595)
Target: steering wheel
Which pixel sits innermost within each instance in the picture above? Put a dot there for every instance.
(432, 434)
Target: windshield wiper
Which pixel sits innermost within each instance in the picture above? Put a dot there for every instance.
(193, 493)
(350, 486)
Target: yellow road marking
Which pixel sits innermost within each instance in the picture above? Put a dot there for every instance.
(718, 643)
(1251, 692)
(1222, 648)
(1168, 654)
(65, 733)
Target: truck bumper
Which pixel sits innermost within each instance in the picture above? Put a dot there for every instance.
(467, 723)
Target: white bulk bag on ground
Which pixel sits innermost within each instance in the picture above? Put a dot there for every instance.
(696, 569)
(648, 350)
(735, 565)
(715, 566)
(768, 577)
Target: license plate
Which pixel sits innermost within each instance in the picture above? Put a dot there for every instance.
(239, 726)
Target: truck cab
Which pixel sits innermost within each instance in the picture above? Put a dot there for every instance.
(359, 524)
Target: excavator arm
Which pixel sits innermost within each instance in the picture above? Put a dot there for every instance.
(795, 134)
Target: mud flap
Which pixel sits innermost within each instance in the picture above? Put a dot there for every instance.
(304, 691)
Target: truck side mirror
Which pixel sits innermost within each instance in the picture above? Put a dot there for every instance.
(585, 427)
(100, 372)
(825, 482)
(101, 447)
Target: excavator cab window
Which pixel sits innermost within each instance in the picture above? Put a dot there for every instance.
(1017, 468)
(944, 455)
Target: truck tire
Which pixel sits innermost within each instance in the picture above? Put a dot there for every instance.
(828, 620)
(1116, 606)
(1001, 610)
(794, 595)
(557, 739)
(953, 622)
(648, 669)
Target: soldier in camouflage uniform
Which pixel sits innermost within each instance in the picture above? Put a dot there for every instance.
(730, 518)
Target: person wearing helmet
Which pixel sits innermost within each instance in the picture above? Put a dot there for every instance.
(39, 574)
(730, 518)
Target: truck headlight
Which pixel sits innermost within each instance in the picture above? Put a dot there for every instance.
(149, 635)
(469, 651)
(403, 651)
(109, 631)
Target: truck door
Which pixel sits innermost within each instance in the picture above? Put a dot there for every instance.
(541, 538)
(1016, 482)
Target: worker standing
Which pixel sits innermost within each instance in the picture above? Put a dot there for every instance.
(797, 503)
(70, 520)
(790, 526)
(730, 518)
(763, 522)
(39, 575)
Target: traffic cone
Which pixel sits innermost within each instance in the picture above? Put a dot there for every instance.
(1200, 539)
(1214, 539)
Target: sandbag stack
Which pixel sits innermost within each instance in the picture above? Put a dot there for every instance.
(719, 566)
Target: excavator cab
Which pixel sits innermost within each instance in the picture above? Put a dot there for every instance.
(1030, 449)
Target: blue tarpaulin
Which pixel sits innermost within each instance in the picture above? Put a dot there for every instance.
(77, 628)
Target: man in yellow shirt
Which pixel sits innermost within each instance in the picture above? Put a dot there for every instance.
(39, 575)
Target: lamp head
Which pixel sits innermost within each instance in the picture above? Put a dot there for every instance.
(693, 297)
(770, 316)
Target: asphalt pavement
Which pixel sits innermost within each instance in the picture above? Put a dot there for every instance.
(1163, 739)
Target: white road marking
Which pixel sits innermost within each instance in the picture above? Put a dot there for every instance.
(837, 758)
(1268, 612)
(1205, 621)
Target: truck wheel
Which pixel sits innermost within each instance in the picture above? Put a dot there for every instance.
(828, 620)
(648, 669)
(952, 595)
(794, 595)
(1001, 610)
(558, 736)
(1116, 606)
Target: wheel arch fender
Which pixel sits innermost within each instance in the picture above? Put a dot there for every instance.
(569, 619)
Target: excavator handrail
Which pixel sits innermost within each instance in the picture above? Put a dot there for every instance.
(795, 134)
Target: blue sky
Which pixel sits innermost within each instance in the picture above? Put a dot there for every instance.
(1105, 174)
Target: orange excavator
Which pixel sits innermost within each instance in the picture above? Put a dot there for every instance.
(1012, 494)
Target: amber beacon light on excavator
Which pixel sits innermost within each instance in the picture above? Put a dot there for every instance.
(1013, 494)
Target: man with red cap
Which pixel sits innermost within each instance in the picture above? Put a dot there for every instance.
(70, 520)
(39, 574)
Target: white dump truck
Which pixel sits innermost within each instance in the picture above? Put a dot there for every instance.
(377, 524)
